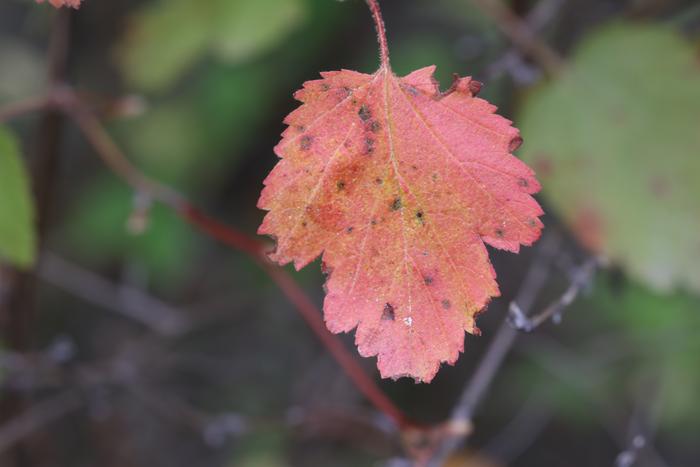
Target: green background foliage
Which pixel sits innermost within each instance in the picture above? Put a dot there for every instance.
(17, 239)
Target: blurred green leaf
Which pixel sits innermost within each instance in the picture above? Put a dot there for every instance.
(627, 345)
(261, 449)
(22, 72)
(192, 139)
(615, 141)
(166, 38)
(245, 28)
(163, 40)
(662, 330)
(96, 229)
(17, 236)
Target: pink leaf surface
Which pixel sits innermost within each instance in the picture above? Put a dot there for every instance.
(60, 3)
(399, 187)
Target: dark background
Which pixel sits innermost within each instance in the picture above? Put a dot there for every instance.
(182, 352)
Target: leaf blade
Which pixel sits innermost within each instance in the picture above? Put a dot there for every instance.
(17, 236)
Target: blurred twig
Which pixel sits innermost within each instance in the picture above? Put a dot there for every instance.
(581, 278)
(519, 32)
(38, 416)
(495, 355)
(123, 299)
(116, 160)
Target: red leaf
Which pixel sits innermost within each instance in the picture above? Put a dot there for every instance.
(60, 3)
(399, 187)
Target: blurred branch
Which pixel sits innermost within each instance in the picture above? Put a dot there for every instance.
(521, 432)
(119, 298)
(38, 416)
(512, 60)
(116, 160)
(495, 355)
(17, 310)
(581, 278)
(522, 36)
(18, 109)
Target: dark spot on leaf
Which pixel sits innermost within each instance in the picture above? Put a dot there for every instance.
(369, 145)
(364, 113)
(375, 126)
(660, 186)
(396, 204)
(414, 167)
(388, 313)
(515, 143)
(349, 229)
(325, 87)
(374, 222)
(301, 128)
(532, 222)
(353, 101)
(378, 181)
(411, 90)
(428, 280)
(523, 182)
(303, 224)
(446, 304)
(305, 142)
(419, 216)
(499, 233)
(434, 177)
(340, 185)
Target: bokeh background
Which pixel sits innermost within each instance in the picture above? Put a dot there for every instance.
(159, 347)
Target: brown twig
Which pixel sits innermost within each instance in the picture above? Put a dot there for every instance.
(115, 159)
(38, 416)
(17, 313)
(518, 31)
(18, 109)
(129, 301)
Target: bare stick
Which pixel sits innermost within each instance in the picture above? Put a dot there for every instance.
(581, 279)
(521, 35)
(115, 159)
(381, 32)
(123, 299)
(36, 417)
(18, 109)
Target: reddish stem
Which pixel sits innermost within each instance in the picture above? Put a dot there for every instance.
(115, 159)
(305, 306)
(381, 32)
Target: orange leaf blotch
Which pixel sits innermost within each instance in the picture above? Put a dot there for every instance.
(400, 187)
(60, 3)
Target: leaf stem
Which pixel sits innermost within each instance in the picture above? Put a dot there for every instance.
(381, 32)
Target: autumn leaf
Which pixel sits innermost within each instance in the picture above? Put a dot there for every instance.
(399, 187)
(60, 3)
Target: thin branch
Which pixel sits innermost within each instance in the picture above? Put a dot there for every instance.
(582, 277)
(123, 299)
(519, 32)
(116, 160)
(21, 108)
(381, 32)
(36, 417)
